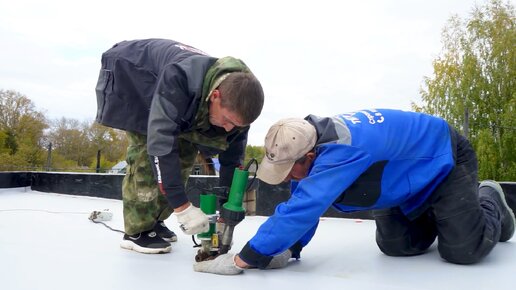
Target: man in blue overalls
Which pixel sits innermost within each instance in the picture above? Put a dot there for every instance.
(417, 174)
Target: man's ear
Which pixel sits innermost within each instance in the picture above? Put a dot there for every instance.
(215, 95)
(310, 155)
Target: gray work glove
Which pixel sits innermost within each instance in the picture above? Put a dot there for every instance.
(280, 260)
(222, 265)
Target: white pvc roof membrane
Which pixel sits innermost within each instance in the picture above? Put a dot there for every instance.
(47, 242)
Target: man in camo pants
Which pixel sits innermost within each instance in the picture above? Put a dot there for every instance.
(173, 101)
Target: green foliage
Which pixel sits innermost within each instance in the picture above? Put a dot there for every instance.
(33, 156)
(60, 163)
(10, 143)
(80, 142)
(24, 139)
(474, 85)
(12, 162)
(105, 165)
(111, 142)
(488, 160)
(256, 152)
(69, 140)
(3, 144)
(22, 128)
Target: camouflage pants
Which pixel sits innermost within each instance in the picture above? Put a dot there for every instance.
(142, 200)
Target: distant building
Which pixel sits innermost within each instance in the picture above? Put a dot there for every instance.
(119, 167)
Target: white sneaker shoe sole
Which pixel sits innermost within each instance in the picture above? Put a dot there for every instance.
(130, 245)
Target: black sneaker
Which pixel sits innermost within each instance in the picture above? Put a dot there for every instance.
(507, 217)
(146, 242)
(161, 229)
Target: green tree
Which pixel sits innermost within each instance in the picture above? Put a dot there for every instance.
(76, 145)
(21, 132)
(112, 143)
(30, 139)
(256, 152)
(474, 85)
(70, 141)
(24, 140)
(60, 163)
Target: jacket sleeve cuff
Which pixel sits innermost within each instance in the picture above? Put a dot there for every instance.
(253, 258)
(175, 200)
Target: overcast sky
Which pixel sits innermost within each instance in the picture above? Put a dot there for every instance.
(312, 57)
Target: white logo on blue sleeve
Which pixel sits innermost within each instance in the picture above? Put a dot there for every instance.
(373, 116)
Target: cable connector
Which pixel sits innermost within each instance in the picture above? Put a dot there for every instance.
(102, 215)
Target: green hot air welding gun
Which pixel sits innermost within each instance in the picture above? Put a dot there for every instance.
(215, 243)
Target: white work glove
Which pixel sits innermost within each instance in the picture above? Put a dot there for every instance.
(192, 220)
(222, 265)
(280, 260)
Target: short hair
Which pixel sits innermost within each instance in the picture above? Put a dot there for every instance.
(303, 158)
(242, 93)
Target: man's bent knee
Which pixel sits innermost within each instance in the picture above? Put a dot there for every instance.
(463, 255)
(400, 247)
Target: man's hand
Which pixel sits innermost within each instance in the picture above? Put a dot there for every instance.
(222, 265)
(280, 260)
(192, 220)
